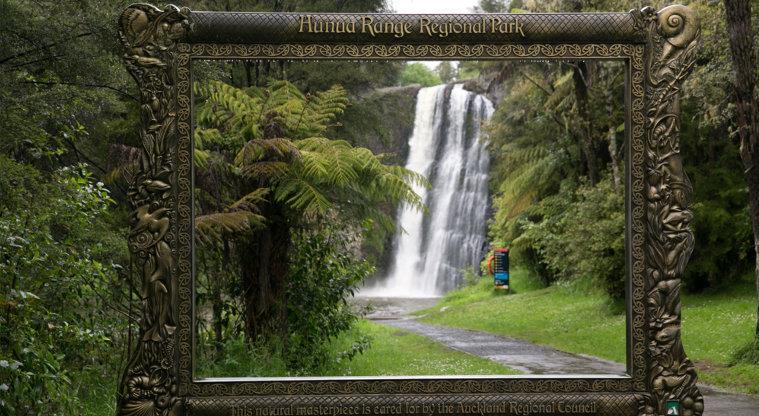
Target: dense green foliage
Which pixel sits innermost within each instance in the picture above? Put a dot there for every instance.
(566, 225)
(418, 73)
(68, 123)
(321, 279)
(64, 286)
(561, 224)
(724, 244)
(271, 139)
(577, 233)
(264, 166)
(57, 264)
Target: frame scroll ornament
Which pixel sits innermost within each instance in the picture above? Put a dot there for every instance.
(148, 385)
(673, 36)
(659, 53)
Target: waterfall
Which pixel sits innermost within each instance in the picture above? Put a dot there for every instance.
(430, 251)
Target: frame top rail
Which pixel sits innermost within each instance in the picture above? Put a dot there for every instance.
(280, 28)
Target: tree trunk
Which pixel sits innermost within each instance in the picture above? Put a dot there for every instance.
(741, 36)
(248, 73)
(217, 307)
(264, 262)
(581, 78)
(752, 178)
(613, 150)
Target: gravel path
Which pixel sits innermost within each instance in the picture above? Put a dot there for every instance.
(532, 358)
(520, 355)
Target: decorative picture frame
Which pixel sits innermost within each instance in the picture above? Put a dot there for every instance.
(658, 50)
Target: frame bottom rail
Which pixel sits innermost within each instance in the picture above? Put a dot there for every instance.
(531, 404)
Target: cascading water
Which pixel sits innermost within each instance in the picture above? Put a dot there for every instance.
(430, 251)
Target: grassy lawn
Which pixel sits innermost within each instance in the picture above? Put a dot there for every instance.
(395, 352)
(392, 352)
(715, 325)
(578, 319)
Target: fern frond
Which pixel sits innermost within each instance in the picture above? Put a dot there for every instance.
(200, 158)
(212, 228)
(264, 170)
(258, 150)
(302, 195)
(276, 134)
(250, 201)
(314, 165)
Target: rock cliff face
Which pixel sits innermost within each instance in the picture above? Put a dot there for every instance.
(490, 83)
(381, 121)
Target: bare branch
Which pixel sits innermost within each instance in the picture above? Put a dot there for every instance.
(30, 51)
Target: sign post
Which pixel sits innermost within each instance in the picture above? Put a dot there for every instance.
(499, 268)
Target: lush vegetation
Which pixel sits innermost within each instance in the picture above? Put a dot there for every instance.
(575, 317)
(68, 136)
(57, 264)
(558, 173)
(269, 184)
(418, 73)
(65, 288)
(322, 277)
(393, 352)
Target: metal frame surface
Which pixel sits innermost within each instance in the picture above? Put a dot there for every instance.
(658, 49)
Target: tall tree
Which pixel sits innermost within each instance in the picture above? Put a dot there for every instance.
(741, 36)
(447, 72)
(492, 6)
(286, 171)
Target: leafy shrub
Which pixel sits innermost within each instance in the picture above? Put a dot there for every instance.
(323, 277)
(723, 245)
(577, 234)
(536, 229)
(721, 223)
(53, 272)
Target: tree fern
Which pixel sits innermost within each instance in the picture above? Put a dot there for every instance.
(211, 228)
(274, 138)
(531, 138)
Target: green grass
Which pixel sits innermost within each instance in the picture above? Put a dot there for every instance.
(560, 316)
(395, 352)
(96, 391)
(715, 327)
(579, 319)
(392, 352)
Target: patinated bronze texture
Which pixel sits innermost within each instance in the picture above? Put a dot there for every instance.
(658, 50)
(281, 28)
(671, 53)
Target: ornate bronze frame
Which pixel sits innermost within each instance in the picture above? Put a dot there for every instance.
(658, 49)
